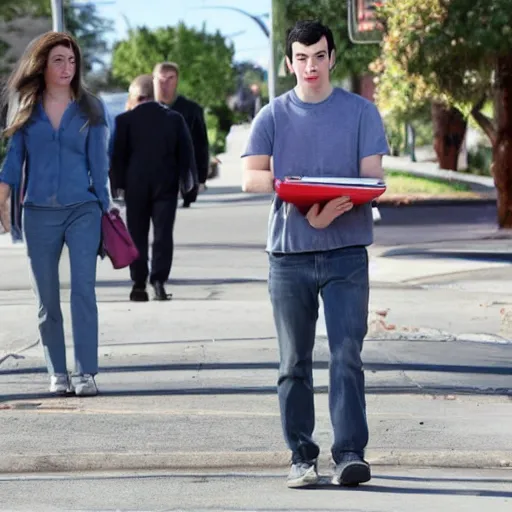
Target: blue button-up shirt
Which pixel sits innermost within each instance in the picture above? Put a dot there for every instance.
(64, 166)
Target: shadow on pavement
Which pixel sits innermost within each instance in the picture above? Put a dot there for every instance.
(214, 190)
(217, 246)
(317, 365)
(441, 480)
(106, 283)
(256, 390)
(324, 484)
(241, 198)
(483, 493)
(466, 255)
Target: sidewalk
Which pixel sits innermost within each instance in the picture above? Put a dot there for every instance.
(191, 384)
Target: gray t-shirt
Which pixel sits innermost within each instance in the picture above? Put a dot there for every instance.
(323, 139)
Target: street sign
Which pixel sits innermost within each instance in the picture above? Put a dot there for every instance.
(363, 25)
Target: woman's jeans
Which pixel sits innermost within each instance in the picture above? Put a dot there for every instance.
(46, 231)
(295, 281)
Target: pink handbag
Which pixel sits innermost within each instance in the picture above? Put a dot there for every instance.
(117, 242)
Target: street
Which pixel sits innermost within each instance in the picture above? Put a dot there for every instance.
(391, 490)
(187, 418)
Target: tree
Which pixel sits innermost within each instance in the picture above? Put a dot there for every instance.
(10, 9)
(404, 97)
(352, 59)
(88, 27)
(463, 50)
(205, 60)
(81, 20)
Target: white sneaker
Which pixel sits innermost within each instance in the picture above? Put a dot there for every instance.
(303, 474)
(84, 385)
(59, 384)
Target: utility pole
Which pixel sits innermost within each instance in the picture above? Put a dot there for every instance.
(57, 16)
(271, 62)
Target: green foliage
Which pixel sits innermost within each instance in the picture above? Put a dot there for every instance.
(480, 160)
(450, 46)
(400, 182)
(3, 149)
(84, 22)
(248, 72)
(205, 60)
(401, 95)
(424, 130)
(207, 74)
(10, 9)
(216, 137)
(352, 59)
(3, 50)
(81, 20)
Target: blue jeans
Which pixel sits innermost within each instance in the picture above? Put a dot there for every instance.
(46, 231)
(295, 282)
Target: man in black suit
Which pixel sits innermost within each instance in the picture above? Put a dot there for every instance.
(165, 82)
(152, 157)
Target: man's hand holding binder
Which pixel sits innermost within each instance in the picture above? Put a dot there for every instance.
(320, 217)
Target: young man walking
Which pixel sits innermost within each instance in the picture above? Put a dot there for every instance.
(318, 130)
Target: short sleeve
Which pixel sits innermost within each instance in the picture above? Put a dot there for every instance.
(372, 136)
(261, 138)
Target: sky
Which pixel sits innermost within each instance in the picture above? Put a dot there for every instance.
(249, 40)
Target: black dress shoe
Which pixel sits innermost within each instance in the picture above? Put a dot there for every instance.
(139, 294)
(160, 293)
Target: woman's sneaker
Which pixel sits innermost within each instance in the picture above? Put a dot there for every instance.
(59, 384)
(84, 385)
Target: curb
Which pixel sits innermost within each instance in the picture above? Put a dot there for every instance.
(46, 463)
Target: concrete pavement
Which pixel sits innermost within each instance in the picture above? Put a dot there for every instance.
(190, 384)
(391, 490)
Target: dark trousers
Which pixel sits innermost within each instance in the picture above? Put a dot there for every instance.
(140, 211)
(295, 281)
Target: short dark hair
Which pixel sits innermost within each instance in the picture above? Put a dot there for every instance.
(308, 32)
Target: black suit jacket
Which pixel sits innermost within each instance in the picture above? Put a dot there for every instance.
(194, 117)
(152, 144)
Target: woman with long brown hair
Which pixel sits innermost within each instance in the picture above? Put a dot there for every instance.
(57, 167)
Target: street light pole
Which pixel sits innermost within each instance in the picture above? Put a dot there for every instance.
(271, 63)
(57, 16)
(267, 31)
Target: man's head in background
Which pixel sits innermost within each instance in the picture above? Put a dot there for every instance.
(165, 81)
(255, 89)
(140, 91)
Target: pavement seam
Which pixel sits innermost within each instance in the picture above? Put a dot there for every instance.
(6, 355)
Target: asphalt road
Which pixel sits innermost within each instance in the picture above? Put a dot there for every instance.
(391, 490)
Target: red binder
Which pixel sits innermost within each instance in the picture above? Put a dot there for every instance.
(305, 191)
